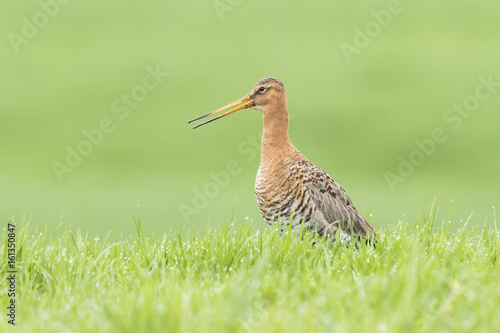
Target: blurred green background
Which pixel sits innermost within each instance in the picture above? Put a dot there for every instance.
(67, 67)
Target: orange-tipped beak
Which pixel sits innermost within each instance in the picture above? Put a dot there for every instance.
(242, 103)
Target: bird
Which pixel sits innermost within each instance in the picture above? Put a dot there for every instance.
(289, 188)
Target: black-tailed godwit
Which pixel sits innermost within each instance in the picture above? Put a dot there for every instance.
(288, 187)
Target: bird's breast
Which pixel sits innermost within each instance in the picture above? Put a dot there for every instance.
(282, 196)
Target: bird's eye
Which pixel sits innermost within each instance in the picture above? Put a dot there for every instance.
(262, 89)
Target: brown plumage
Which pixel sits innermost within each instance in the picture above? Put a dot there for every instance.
(288, 187)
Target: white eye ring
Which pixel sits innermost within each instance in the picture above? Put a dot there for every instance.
(262, 89)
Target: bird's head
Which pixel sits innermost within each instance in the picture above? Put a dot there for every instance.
(266, 95)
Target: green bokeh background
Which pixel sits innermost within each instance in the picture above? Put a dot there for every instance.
(353, 119)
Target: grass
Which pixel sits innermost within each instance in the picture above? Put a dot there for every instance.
(420, 278)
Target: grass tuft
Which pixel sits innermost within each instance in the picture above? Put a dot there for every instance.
(419, 278)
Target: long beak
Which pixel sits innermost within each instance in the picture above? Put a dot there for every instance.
(246, 102)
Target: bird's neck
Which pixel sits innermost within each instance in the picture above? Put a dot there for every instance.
(275, 140)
